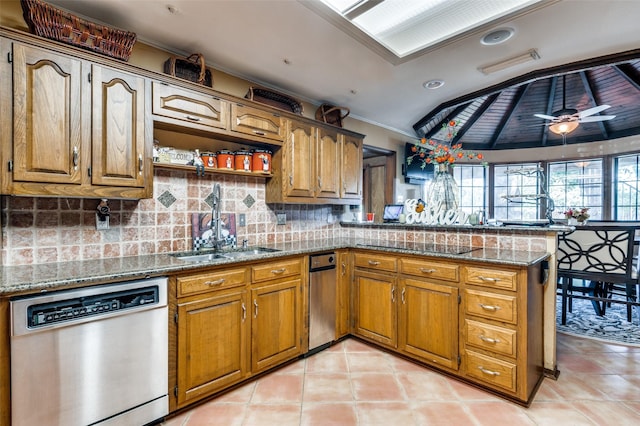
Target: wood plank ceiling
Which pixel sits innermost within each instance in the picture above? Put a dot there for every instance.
(502, 116)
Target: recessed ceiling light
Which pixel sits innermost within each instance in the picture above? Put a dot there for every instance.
(433, 84)
(497, 36)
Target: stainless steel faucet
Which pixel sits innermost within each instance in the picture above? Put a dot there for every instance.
(216, 240)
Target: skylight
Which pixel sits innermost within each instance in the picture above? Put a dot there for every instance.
(408, 26)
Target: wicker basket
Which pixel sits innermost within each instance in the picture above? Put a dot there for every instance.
(332, 114)
(274, 99)
(56, 24)
(191, 68)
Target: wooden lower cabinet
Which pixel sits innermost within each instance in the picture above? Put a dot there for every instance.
(428, 323)
(343, 294)
(276, 323)
(229, 323)
(375, 308)
(212, 344)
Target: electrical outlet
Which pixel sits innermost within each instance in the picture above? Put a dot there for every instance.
(282, 218)
(242, 220)
(102, 225)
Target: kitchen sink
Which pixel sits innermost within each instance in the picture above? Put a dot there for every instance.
(235, 254)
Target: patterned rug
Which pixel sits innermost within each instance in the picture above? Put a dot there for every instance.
(612, 327)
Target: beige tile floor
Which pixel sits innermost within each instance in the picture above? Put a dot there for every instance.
(353, 383)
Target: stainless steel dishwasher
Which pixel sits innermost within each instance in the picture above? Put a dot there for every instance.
(322, 301)
(93, 356)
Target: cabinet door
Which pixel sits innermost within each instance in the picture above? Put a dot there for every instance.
(351, 168)
(343, 294)
(328, 164)
(190, 109)
(47, 117)
(428, 325)
(118, 128)
(299, 162)
(276, 324)
(212, 345)
(375, 307)
(256, 122)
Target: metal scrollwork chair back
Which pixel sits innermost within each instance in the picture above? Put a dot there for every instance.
(600, 256)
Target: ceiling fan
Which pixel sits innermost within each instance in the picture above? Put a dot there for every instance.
(567, 120)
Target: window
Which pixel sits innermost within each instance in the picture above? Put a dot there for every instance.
(515, 191)
(626, 182)
(472, 185)
(577, 184)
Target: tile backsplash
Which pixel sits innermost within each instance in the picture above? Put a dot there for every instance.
(43, 230)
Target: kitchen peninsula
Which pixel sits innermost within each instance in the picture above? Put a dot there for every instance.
(504, 271)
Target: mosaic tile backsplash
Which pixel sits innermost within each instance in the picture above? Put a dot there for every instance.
(43, 230)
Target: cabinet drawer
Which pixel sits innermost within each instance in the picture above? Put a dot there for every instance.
(430, 269)
(490, 337)
(256, 122)
(493, 278)
(375, 261)
(491, 370)
(490, 305)
(273, 270)
(189, 108)
(207, 281)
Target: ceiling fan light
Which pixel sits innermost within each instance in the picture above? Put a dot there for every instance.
(564, 127)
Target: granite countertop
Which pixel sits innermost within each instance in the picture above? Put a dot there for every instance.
(22, 279)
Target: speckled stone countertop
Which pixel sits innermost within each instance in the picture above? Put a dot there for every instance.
(53, 276)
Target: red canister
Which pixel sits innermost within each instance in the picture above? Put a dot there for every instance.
(243, 160)
(225, 159)
(209, 160)
(261, 161)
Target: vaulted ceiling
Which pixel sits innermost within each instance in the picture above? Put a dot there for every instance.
(502, 117)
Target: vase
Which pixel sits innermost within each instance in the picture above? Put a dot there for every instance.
(572, 221)
(443, 189)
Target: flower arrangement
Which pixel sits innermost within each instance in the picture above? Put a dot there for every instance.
(432, 152)
(580, 215)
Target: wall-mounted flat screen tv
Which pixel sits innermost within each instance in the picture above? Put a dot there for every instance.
(414, 173)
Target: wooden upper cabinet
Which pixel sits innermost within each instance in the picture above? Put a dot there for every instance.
(328, 160)
(257, 122)
(118, 128)
(187, 108)
(47, 117)
(351, 168)
(79, 129)
(299, 161)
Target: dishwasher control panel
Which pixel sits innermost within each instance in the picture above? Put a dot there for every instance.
(39, 315)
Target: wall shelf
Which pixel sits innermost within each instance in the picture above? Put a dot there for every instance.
(212, 170)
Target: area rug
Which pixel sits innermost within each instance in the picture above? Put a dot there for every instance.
(612, 327)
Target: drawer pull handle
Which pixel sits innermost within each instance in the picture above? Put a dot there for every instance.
(244, 312)
(489, 372)
(374, 263)
(488, 339)
(428, 271)
(278, 271)
(393, 294)
(216, 282)
(489, 307)
(259, 133)
(493, 280)
(76, 156)
(255, 312)
(403, 299)
(192, 118)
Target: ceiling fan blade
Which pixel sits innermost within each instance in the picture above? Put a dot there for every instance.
(596, 118)
(591, 111)
(546, 117)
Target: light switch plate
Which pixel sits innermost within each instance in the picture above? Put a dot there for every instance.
(242, 220)
(102, 225)
(282, 218)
